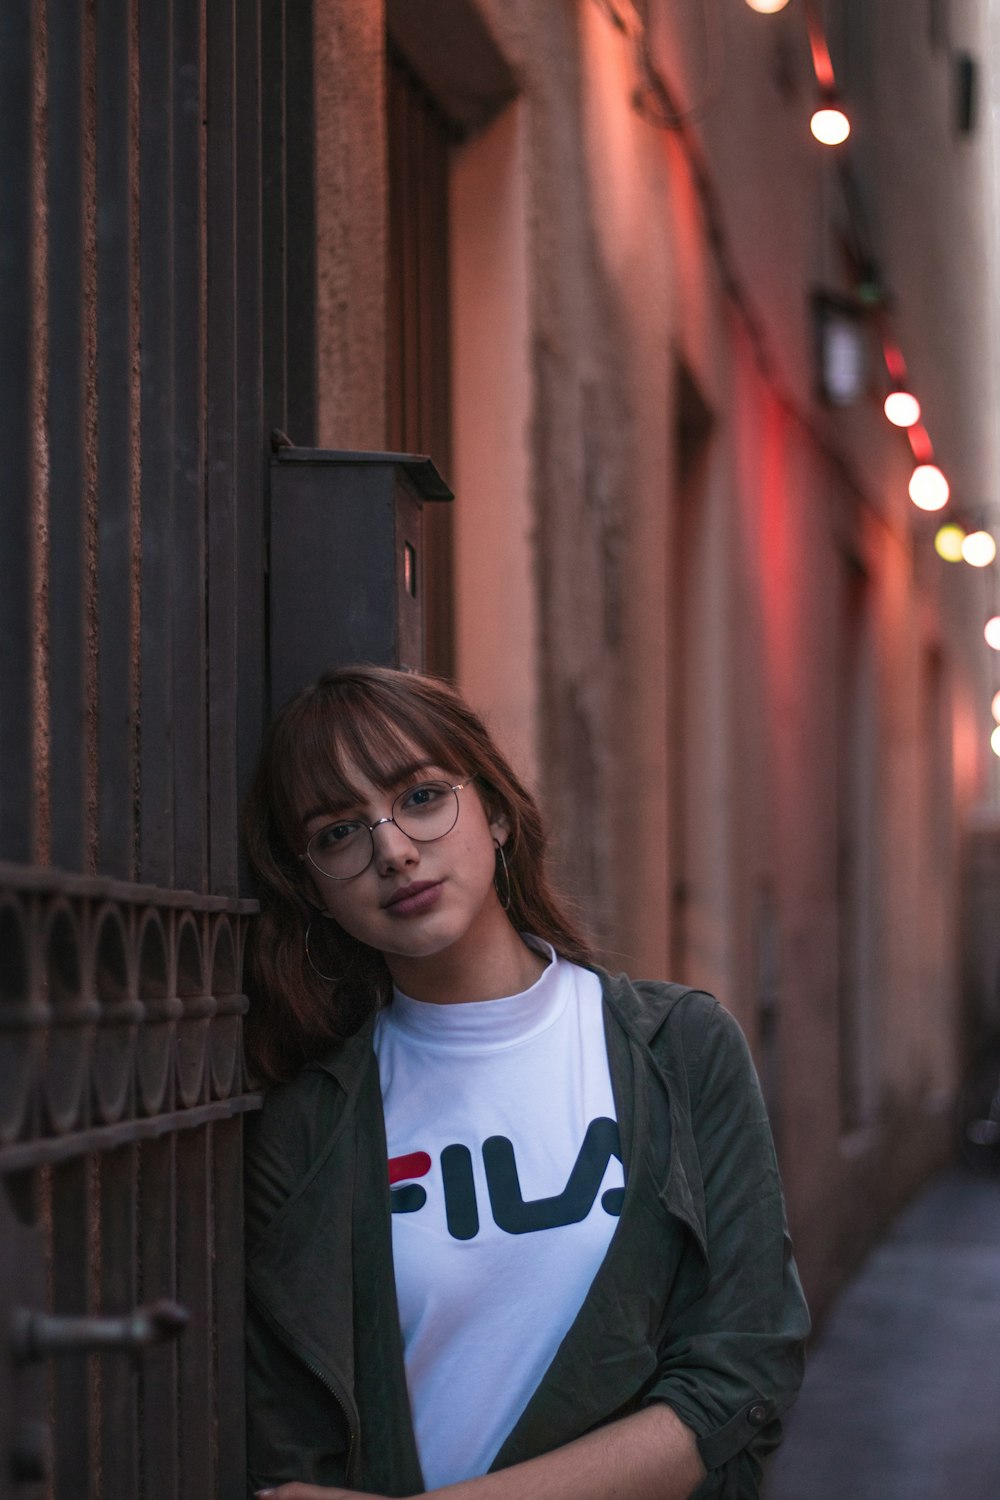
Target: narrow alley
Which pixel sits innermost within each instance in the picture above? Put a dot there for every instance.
(902, 1394)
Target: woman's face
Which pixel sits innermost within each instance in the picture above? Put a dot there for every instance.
(415, 899)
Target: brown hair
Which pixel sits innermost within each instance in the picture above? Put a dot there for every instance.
(371, 716)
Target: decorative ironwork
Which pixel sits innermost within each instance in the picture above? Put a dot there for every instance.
(120, 1013)
(121, 1096)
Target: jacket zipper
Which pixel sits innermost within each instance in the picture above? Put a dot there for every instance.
(345, 1413)
(324, 1381)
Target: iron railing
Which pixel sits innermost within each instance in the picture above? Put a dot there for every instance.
(134, 360)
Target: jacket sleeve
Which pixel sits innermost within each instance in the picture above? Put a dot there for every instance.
(731, 1358)
(285, 1405)
(290, 1434)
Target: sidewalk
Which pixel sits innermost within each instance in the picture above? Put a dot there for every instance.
(902, 1395)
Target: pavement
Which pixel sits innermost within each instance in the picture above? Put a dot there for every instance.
(901, 1399)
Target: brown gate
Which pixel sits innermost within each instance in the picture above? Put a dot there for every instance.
(144, 230)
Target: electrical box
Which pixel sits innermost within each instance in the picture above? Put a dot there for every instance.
(346, 566)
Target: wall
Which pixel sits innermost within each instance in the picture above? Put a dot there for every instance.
(697, 605)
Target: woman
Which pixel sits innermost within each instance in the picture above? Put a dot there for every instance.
(514, 1224)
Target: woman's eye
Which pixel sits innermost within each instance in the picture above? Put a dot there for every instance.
(337, 833)
(425, 795)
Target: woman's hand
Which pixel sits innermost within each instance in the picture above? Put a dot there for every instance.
(650, 1455)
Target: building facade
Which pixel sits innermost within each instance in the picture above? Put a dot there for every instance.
(571, 251)
(695, 599)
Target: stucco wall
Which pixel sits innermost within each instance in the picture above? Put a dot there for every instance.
(700, 806)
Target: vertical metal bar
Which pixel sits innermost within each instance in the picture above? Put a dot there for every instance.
(156, 838)
(194, 1289)
(67, 719)
(114, 439)
(16, 430)
(410, 201)
(394, 320)
(188, 603)
(253, 688)
(119, 1294)
(273, 164)
(300, 224)
(227, 1177)
(435, 360)
(158, 1428)
(221, 445)
(71, 1261)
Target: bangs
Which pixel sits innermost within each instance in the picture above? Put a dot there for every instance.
(359, 730)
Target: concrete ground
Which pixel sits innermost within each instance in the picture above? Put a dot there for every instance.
(902, 1394)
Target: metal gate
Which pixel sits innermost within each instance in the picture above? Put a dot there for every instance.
(138, 250)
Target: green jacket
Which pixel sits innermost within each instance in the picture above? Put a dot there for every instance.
(697, 1302)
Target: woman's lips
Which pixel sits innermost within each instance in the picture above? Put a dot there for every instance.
(414, 899)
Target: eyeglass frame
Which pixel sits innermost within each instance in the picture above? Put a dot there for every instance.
(459, 786)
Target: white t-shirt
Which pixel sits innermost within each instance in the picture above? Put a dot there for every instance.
(507, 1185)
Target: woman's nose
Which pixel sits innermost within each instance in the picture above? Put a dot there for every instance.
(393, 848)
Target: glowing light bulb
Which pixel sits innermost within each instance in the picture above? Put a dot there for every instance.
(995, 740)
(929, 488)
(902, 409)
(830, 125)
(979, 549)
(995, 705)
(767, 7)
(948, 542)
(992, 633)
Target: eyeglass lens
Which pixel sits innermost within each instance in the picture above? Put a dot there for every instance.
(424, 812)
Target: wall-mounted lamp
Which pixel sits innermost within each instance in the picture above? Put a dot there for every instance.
(841, 348)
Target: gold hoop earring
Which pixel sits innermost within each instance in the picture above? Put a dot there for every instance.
(504, 892)
(327, 978)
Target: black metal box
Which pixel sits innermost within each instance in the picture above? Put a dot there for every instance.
(346, 561)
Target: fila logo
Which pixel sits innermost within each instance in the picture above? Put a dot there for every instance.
(510, 1211)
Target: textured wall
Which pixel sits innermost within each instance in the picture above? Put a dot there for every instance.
(351, 225)
(656, 536)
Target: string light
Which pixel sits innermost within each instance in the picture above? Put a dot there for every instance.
(995, 740)
(929, 489)
(902, 409)
(830, 125)
(992, 633)
(948, 542)
(995, 705)
(979, 549)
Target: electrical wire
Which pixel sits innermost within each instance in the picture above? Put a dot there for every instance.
(654, 99)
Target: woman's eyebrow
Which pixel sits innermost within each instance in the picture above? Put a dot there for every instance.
(398, 778)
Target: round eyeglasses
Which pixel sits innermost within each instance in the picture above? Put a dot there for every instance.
(425, 812)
